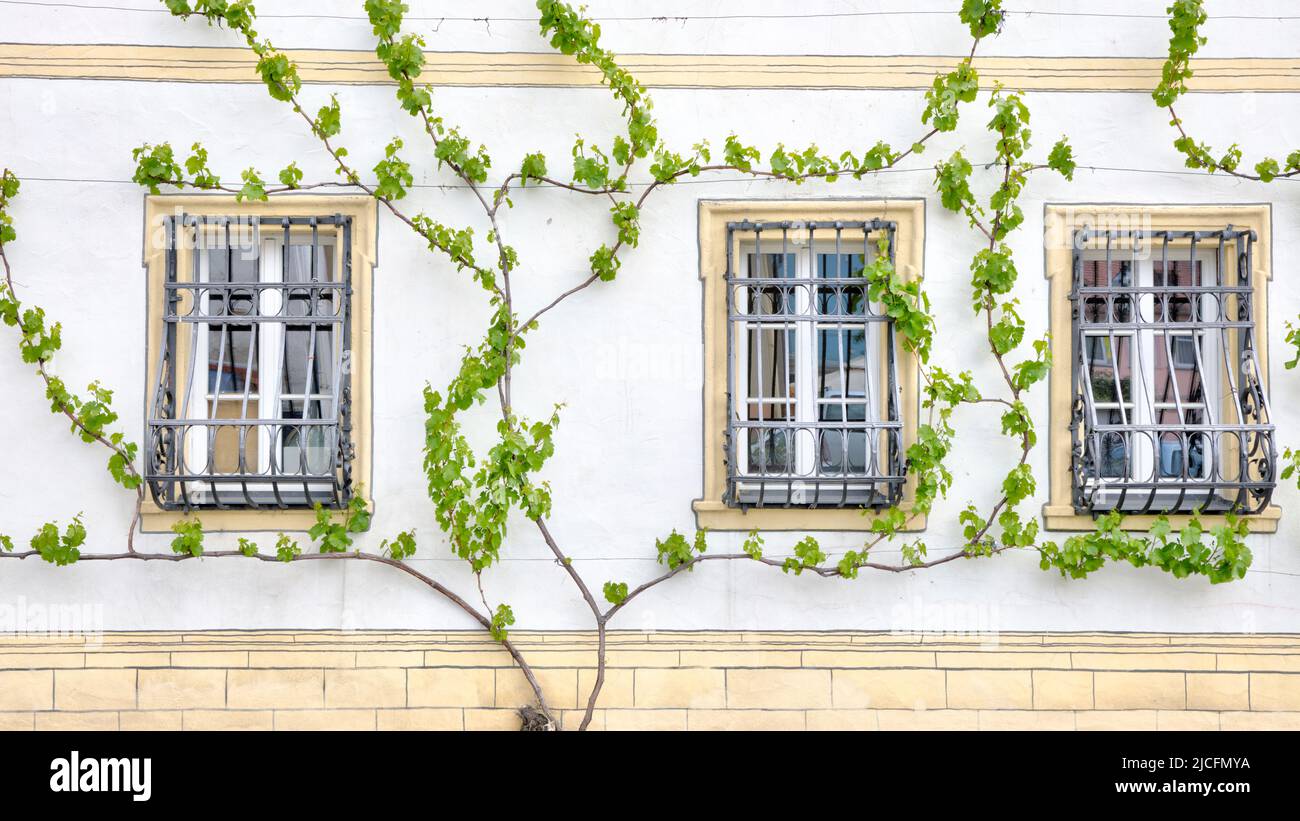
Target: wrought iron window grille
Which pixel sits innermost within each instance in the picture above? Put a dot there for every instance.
(1170, 411)
(251, 405)
(812, 384)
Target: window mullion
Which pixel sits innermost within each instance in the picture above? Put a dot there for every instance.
(270, 343)
(1142, 356)
(193, 405)
(806, 364)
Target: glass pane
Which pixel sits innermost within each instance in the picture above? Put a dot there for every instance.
(844, 298)
(299, 268)
(770, 411)
(831, 266)
(1107, 308)
(1100, 360)
(308, 369)
(1177, 307)
(229, 364)
(237, 265)
(772, 363)
(771, 451)
(226, 449)
(837, 444)
(1177, 447)
(1185, 375)
(768, 299)
(763, 299)
(841, 362)
(307, 448)
(1112, 447)
(309, 301)
(771, 266)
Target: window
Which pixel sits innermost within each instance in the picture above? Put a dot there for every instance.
(1169, 411)
(257, 402)
(1172, 415)
(815, 416)
(809, 400)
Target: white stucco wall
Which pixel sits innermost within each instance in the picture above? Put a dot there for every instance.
(629, 457)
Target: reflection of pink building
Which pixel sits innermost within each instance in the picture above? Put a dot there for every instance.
(1138, 327)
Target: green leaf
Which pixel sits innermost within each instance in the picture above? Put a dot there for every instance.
(502, 618)
(615, 592)
(254, 187)
(401, 548)
(286, 549)
(291, 175)
(189, 537)
(1061, 159)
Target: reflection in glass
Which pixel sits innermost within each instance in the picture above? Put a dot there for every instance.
(1105, 356)
(1112, 458)
(772, 365)
(1177, 306)
(306, 448)
(1112, 307)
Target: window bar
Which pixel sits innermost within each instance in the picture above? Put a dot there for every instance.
(1078, 450)
(1235, 369)
(1091, 440)
(1166, 317)
(810, 410)
(215, 400)
(281, 429)
(254, 349)
(344, 410)
(1245, 279)
(762, 410)
(789, 297)
(1249, 376)
(309, 384)
(212, 428)
(1127, 435)
(1212, 452)
(1210, 409)
(162, 449)
(871, 456)
(837, 293)
(1166, 301)
(198, 308)
(338, 489)
(896, 465)
(729, 439)
(1264, 409)
(1230, 370)
(1152, 434)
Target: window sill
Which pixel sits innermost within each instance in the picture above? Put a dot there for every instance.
(1063, 517)
(154, 519)
(714, 515)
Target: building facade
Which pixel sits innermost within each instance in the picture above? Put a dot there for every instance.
(698, 388)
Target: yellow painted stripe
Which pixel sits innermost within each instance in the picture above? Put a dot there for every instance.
(235, 65)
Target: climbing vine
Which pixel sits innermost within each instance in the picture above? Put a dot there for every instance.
(475, 492)
(1185, 20)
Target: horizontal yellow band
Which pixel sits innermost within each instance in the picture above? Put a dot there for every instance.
(236, 65)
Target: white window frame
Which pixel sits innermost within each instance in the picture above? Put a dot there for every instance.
(1144, 409)
(269, 395)
(806, 404)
